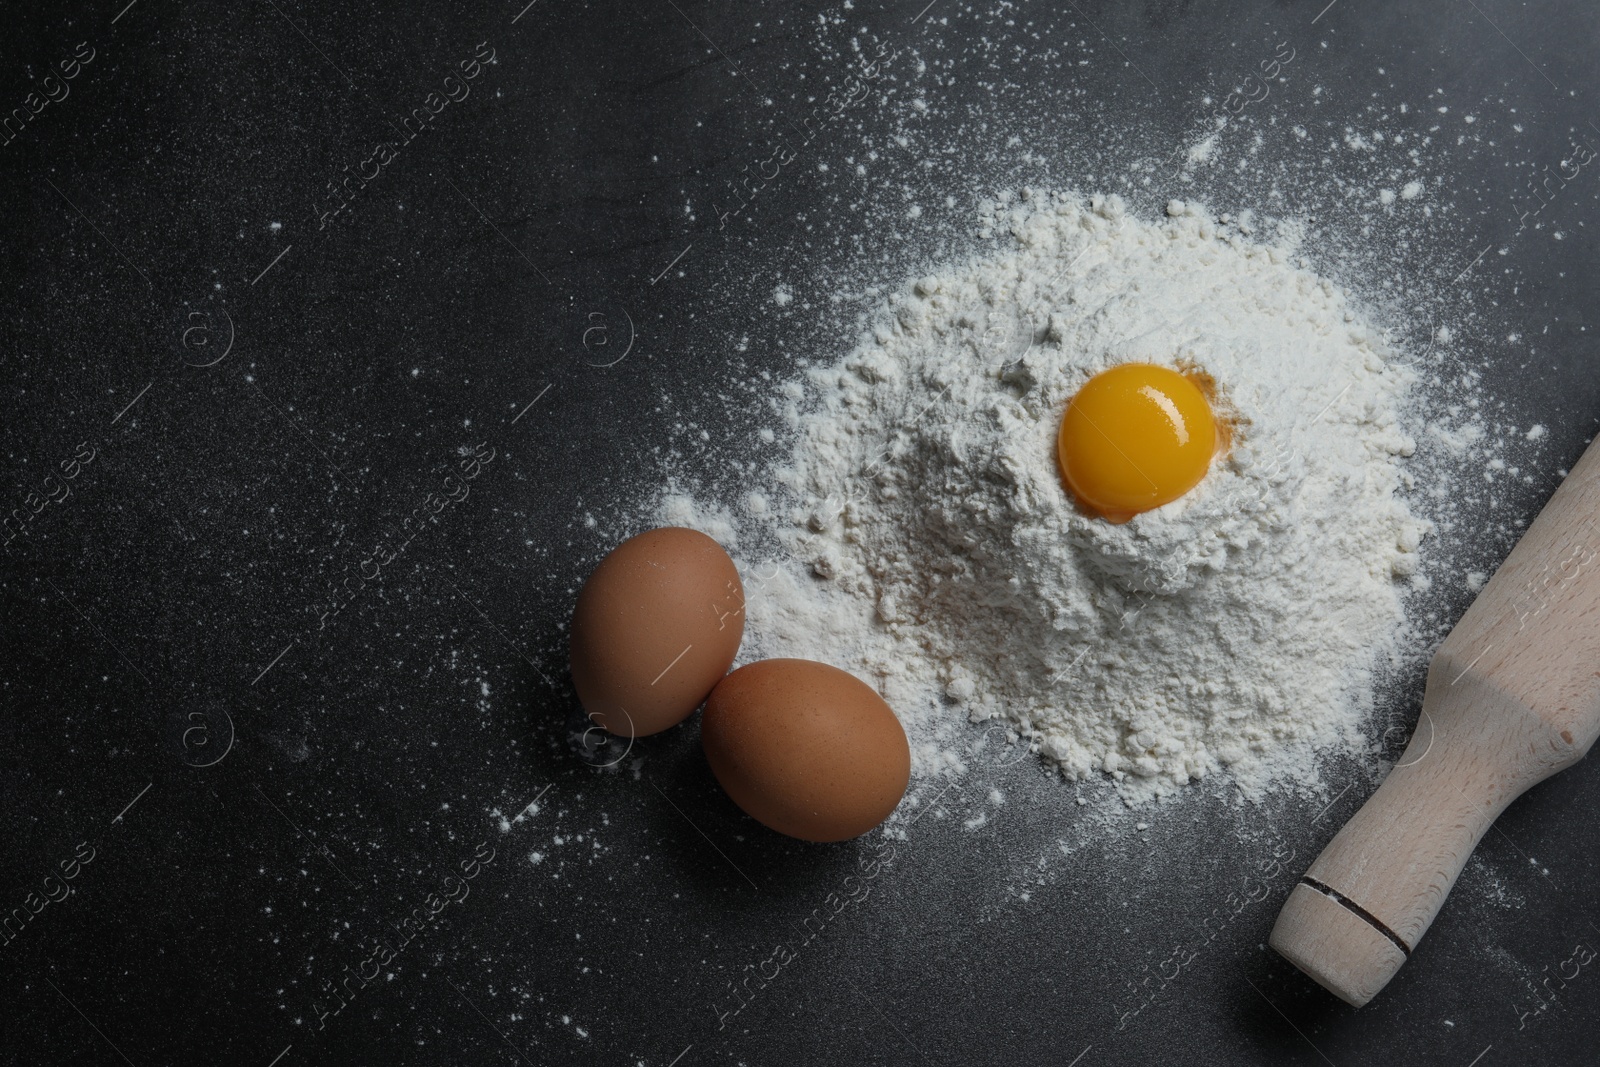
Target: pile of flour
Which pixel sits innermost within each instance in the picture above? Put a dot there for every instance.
(919, 533)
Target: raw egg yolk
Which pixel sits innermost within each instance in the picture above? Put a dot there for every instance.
(1135, 437)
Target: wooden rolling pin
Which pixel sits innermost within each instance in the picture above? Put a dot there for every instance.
(1513, 697)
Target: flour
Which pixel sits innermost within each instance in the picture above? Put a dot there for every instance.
(919, 534)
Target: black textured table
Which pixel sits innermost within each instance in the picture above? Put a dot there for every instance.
(341, 341)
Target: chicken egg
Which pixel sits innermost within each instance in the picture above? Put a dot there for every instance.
(807, 749)
(656, 625)
(1135, 437)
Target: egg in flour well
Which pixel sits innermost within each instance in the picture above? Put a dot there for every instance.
(1135, 437)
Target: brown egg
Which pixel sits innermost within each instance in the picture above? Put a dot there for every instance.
(805, 748)
(657, 625)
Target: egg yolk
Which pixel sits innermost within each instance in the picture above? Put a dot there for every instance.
(1135, 437)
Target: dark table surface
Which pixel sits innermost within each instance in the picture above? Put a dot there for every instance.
(247, 829)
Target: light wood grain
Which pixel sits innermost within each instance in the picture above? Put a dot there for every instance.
(1513, 696)
(1332, 945)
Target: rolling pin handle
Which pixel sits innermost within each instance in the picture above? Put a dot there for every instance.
(1512, 698)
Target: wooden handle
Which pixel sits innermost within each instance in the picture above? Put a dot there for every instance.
(1513, 696)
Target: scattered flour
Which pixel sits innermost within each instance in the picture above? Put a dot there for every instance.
(920, 534)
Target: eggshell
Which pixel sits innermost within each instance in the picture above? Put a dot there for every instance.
(656, 626)
(808, 749)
